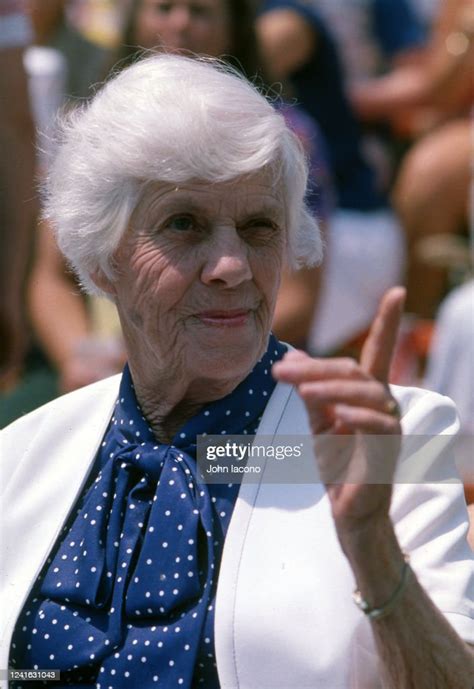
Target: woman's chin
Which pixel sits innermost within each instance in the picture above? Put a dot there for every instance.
(228, 356)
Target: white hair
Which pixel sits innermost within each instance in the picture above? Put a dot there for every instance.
(172, 119)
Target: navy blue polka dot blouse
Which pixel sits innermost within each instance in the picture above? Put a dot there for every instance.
(126, 598)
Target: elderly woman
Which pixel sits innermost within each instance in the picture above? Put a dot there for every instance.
(179, 192)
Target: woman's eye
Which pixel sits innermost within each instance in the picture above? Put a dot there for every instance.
(261, 224)
(181, 223)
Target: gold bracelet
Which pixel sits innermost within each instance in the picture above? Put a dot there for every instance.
(388, 606)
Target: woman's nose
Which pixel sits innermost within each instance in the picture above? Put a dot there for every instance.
(227, 261)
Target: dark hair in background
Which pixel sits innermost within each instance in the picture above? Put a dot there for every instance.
(242, 54)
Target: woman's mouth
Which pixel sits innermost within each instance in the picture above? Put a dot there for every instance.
(225, 318)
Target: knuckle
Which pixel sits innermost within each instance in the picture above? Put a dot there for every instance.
(350, 366)
(304, 390)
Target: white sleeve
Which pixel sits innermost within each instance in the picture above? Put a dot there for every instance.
(430, 514)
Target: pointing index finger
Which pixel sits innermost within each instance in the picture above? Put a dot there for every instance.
(379, 346)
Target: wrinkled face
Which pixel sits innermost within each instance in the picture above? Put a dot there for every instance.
(200, 26)
(198, 273)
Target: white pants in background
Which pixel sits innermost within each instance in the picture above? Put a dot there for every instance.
(365, 256)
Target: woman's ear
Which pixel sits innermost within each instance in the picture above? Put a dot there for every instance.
(103, 282)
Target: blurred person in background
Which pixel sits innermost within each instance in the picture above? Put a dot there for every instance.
(31, 90)
(79, 335)
(86, 32)
(374, 37)
(75, 340)
(440, 82)
(17, 192)
(432, 101)
(300, 51)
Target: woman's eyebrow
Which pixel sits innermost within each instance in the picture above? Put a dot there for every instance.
(254, 205)
(181, 205)
(154, 209)
(273, 210)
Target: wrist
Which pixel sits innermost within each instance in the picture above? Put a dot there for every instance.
(379, 612)
(365, 537)
(376, 559)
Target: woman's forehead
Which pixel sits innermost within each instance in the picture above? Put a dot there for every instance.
(260, 190)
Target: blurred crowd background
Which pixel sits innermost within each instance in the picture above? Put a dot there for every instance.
(380, 93)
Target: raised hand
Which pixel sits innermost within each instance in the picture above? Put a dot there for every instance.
(349, 407)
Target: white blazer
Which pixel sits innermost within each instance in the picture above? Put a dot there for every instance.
(284, 612)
